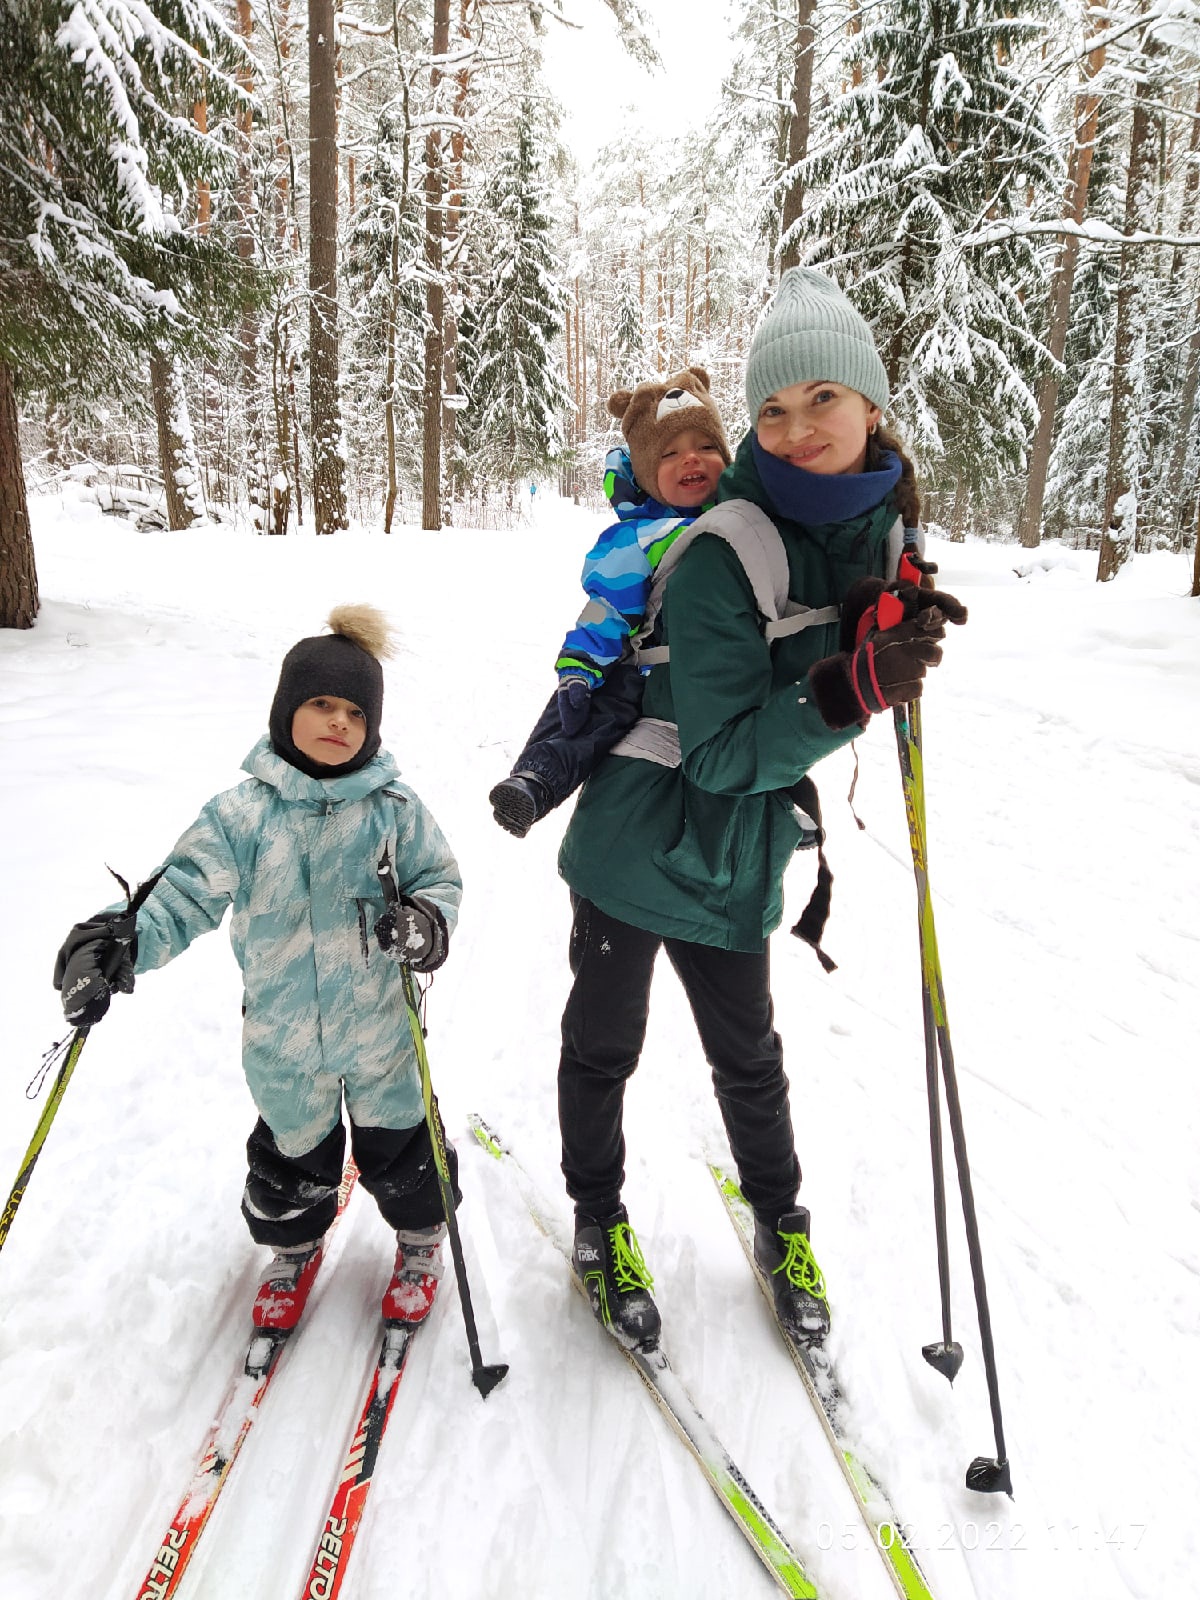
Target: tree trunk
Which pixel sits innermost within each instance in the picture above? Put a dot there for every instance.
(176, 447)
(18, 572)
(435, 294)
(329, 467)
(1123, 489)
(245, 191)
(799, 121)
(1174, 492)
(1079, 171)
(389, 404)
(1175, 495)
(454, 211)
(203, 192)
(958, 514)
(258, 470)
(287, 472)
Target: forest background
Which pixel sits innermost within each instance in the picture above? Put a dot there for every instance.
(299, 267)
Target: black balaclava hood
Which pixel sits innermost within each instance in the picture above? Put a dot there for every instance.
(331, 664)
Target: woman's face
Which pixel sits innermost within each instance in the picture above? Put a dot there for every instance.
(821, 427)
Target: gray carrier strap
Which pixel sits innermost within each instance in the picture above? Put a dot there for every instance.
(755, 540)
(652, 739)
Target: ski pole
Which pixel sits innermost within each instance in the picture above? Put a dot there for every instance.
(484, 1377)
(133, 902)
(945, 1355)
(72, 1049)
(985, 1475)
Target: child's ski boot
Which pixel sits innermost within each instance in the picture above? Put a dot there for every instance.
(409, 1296)
(283, 1292)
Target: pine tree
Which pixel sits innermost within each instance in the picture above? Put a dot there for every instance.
(1075, 482)
(938, 136)
(99, 166)
(512, 425)
(628, 336)
(387, 316)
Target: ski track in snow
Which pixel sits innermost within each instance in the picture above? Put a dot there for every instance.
(1062, 755)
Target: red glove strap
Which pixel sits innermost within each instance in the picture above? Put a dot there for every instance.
(908, 570)
(887, 611)
(863, 661)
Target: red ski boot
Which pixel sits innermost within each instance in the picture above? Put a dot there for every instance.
(283, 1292)
(409, 1296)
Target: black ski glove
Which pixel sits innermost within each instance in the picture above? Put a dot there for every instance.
(413, 931)
(96, 959)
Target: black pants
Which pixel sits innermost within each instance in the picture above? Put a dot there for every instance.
(289, 1200)
(604, 1028)
(563, 763)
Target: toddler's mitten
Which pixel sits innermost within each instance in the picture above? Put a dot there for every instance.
(574, 702)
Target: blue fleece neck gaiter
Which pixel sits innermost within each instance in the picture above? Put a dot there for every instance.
(819, 497)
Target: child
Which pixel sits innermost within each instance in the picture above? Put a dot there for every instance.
(295, 849)
(677, 451)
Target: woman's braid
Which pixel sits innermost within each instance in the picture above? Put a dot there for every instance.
(906, 493)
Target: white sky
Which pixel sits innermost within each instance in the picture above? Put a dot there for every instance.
(601, 87)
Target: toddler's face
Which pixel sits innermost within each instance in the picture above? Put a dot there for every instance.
(689, 469)
(329, 729)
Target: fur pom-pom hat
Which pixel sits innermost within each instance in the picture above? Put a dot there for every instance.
(652, 414)
(344, 662)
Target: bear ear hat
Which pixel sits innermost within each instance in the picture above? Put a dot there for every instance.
(701, 377)
(618, 404)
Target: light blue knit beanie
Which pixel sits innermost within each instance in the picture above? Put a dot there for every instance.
(811, 331)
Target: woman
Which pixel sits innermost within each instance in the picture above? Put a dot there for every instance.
(685, 846)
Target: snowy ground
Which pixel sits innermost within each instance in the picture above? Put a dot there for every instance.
(1063, 762)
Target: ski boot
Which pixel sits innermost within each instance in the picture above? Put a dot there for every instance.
(409, 1296)
(283, 1291)
(785, 1255)
(608, 1263)
(518, 802)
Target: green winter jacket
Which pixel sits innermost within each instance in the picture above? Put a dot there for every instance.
(698, 852)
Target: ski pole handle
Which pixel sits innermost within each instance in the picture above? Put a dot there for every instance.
(387, 878)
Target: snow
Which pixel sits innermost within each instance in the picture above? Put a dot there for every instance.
(1063, 765)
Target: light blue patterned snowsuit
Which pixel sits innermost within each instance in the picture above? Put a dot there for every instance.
(296, 857)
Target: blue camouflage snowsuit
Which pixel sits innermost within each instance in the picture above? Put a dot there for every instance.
(297, 857)
(618, 571)
(617, 575)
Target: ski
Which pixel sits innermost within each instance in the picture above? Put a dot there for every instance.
(820, 1380)
(752, 1519)
(336, 1544)
(225, 1440)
